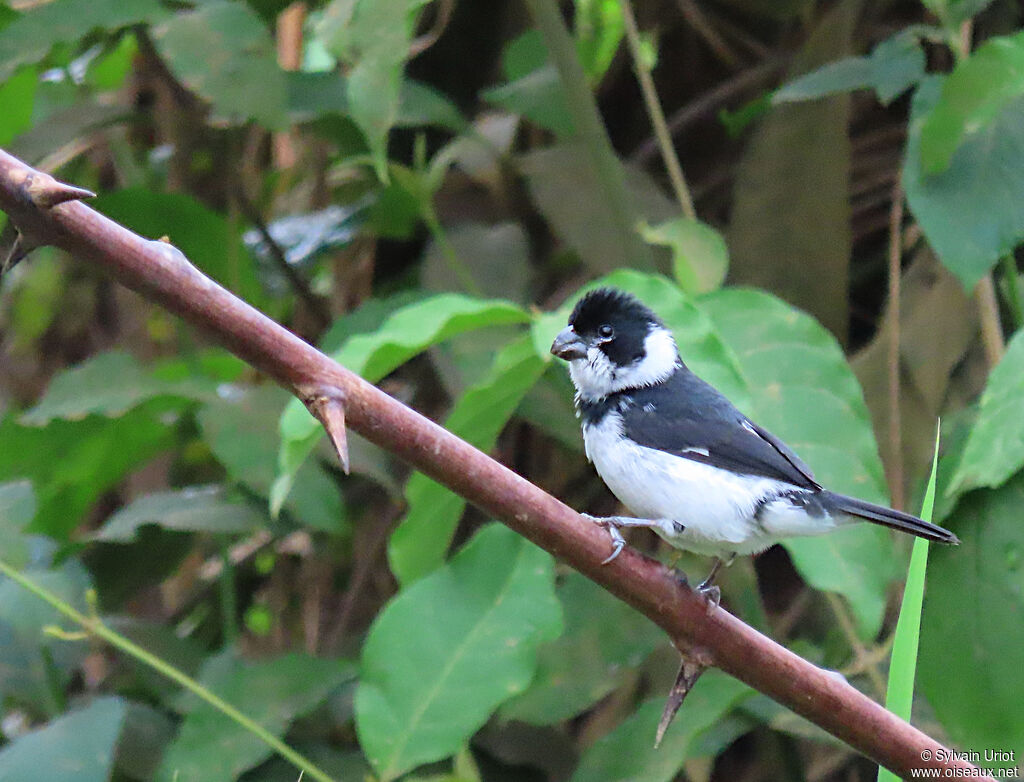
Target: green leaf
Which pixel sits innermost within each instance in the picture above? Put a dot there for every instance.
(419, 543)
(700, 345)
(806, 393)
(243, 81)
(627, 754)
(420, 104)
(969, 213)
(450, 648)
(17, 97)
(972, 636)
(973, 95)
(209, 240)
(799, 155)
(700, 258)
(599, 28)
(407, 332)
(899, 695)
(555, 177)
(604, 640)
(373, 38)
(953, 13)
(538, 96)
(31, 36)
(17, 509)
(34, 667)
(71, 464)
(195, 509)
(272, 692)
(894, 66)
(87, 390)
(995, 446)
(76, 747)
(241, 429)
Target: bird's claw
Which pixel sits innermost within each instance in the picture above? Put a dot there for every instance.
(618, 542)
(711, 593)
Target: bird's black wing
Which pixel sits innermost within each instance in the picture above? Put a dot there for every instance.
(689, 418)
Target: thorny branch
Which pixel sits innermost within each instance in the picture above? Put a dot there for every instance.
(40, 208)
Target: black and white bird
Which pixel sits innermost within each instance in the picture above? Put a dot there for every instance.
(681, 456)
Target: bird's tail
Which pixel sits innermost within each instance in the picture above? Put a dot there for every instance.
(888, 517)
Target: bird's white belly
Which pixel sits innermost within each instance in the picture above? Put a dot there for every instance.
(716, 507)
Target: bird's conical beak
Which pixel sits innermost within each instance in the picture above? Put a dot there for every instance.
(568, 345)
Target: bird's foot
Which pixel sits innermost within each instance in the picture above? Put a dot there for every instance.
(609, 523)
(711, 593)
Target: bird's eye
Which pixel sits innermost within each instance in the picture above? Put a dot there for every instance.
(606, 331)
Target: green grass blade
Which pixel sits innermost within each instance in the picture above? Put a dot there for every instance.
(899, 696)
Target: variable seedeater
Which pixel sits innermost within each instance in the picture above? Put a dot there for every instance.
(681, 456)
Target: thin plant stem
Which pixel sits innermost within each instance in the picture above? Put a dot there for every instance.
(655, 112)
(861, 653)
(93, 625)
(1012, 284)
(985, 292)
(228, 603)
(893, 360)
(988, 312)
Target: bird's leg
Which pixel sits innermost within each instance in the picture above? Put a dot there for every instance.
(708, 588)
(615, 523)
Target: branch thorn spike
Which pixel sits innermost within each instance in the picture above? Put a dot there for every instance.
(689, 671)
(329, 410)
(46, 192)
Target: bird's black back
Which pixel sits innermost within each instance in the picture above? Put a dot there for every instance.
(687, 417)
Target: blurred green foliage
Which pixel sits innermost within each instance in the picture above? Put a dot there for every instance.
(423, 196)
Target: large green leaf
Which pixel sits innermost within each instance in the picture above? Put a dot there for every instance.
(450, 648)
(555, 176)
(995, 446)
(210, 746)
(972, 633)
(72, 463)
(17, 508)
(406, 332)
(224, 53)
(894, 66)
(87, 390)
(970, 212)
(806, 393)
(627, 754)
(17, 97)
(209, 240)
(373, 38)
(195, 509)
(790, 225)
(35, 666)
(31, 36)
(973, 95)
(77, 747)
(419, 543)
(604, 640)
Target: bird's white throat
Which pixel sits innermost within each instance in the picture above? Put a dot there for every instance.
(597, 376)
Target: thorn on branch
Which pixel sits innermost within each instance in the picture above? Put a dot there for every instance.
(329, 409)
(19, 250)
(46, 192)
(690, 670)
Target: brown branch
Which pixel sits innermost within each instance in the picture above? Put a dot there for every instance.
(159, 271)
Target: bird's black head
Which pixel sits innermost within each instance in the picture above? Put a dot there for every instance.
(613, 341)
